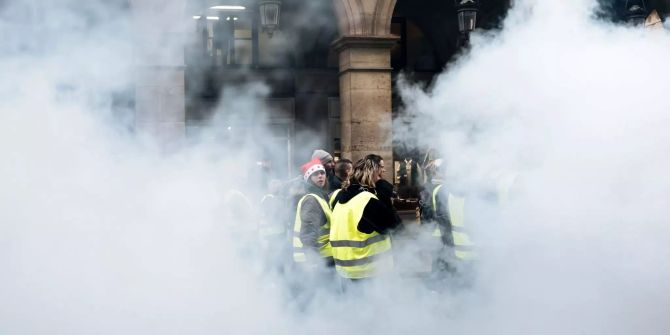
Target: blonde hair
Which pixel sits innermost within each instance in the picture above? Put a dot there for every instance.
(364, 171)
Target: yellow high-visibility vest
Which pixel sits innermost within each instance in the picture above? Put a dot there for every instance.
(356, 254)
(463, 246)
(332, 197)
(323, 244)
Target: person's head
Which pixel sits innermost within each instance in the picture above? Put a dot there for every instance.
(434, 170)
(382, 167)
(368, 170)
(325, 158)
(314, 173)
(343, 168)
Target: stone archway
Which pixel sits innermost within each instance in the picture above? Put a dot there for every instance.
(365, 76)
(364, 17)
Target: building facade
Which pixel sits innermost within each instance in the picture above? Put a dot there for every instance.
(330, 68)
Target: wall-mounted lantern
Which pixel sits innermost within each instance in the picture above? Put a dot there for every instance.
(467, 15)
(636, 12)
(270, 12)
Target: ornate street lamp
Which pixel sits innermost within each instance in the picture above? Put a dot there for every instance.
(270, 12)
(636, 12)
(467, 15)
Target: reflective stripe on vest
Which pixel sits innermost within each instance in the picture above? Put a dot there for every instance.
(332, 197)
(462, 242)
(322, 242)
(356, 254)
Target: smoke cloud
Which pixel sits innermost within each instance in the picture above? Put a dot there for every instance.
(102, 231)
(571, 110)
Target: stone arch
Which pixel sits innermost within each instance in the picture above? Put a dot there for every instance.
(364, 17)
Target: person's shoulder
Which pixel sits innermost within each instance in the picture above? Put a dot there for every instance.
(309, 201)
(313, 197)
(383, 185)
(385, 188)
(349, 193)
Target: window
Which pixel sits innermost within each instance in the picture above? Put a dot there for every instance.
(234, 39)
(224, 39)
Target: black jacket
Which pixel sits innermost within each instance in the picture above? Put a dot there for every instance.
(376, 216)
(386, 194)
(334, 183)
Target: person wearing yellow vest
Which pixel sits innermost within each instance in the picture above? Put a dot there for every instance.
(311, 247)
(273, 229)
(446, 211)
(241, 222)
(360, 224)
(271, 226)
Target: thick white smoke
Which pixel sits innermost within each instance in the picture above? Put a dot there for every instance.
(100, 232)
(573, 110)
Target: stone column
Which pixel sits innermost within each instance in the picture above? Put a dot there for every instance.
(365, 78)
(365, 97)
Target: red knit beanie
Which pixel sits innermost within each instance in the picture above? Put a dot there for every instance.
(310, 167)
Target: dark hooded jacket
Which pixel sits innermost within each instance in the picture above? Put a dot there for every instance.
(377, 216)
(334, 183)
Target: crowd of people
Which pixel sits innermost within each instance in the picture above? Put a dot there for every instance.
(338, 218)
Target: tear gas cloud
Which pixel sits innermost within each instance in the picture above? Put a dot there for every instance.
(573, 111)
(100, 231)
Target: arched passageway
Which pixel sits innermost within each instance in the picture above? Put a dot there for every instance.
(380, 39)
(429, 40)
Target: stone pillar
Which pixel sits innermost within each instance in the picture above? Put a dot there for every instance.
(364, 49)
(160, 107)
(365, 96)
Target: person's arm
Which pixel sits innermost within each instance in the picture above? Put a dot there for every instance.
(312, 218)
(377, 217)
(426, 206)
(442, 217)
(386, 193)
